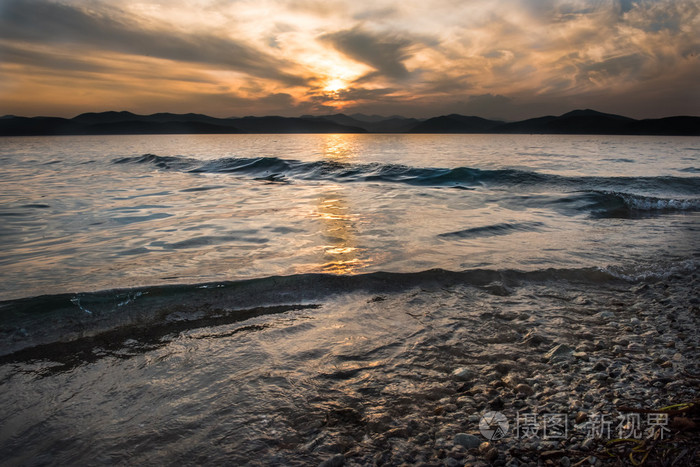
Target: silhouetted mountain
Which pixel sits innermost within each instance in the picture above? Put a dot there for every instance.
(23, 126)
(291, 125)
(672, 126)
(576, 122)
(591, 122)
(375, 118)
(386, 125)
(113, 123)
(593, 113)
(455, 123)
(155, 128)
(531, 125)
(108, 117)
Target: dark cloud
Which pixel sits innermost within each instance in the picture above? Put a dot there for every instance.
(35, 58)
(487, 104)
(45, 22)
(613, 67)
(508, 58)
(448, 84)
(383, 52)
(625, 5)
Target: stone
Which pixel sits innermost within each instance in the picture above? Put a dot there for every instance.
(467, 440)
(587, 444)
(502, 368)
(532, 339)
(565, 462)
(491, 455)
(496, 403)
(524, 389)
(336, 461)
(463, 374)
(559, 353)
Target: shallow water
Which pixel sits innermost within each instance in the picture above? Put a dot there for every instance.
(265, 298)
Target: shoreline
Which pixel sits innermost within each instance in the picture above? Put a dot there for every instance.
(424, 366)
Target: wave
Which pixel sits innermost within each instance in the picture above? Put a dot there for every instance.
(114, 314)
(285, 170)
(495, 229)
(601, 203)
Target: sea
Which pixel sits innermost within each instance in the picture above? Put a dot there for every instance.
(200, 298)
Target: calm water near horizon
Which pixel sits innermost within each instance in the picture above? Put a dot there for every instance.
(280, 299)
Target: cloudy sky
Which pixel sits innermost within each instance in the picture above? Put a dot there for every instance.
(510, 59)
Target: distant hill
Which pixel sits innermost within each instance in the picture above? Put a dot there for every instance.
(291, 125)
(372, 124)
(591, 122)
(122, 123)
(575, 122)
(455, 123)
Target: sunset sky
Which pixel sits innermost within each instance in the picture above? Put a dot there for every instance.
(508, 59)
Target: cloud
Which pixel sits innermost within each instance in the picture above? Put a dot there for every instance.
(497, 58)
(381, 51)
(112, 29)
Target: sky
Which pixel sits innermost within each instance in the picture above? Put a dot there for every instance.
(508, 59)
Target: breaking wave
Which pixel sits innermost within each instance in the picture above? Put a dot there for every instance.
(117, 314)
(287, 170)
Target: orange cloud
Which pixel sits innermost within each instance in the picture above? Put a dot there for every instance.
(634, 57)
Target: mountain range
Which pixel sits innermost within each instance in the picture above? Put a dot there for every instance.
(575, 122)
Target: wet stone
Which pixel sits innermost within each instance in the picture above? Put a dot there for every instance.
(524, 389)
(463, 374)
(336, 461)
(559, 353)
(467, 440)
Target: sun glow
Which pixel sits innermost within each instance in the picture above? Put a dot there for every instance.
(335, 85)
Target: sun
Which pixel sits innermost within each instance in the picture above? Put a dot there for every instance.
(334, 85)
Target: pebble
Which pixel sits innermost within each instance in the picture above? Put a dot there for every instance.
(467, 440)
(560, 373)
(491, 455)
(336, 461)
(558, 353)
(524, 389)
(463, 374)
